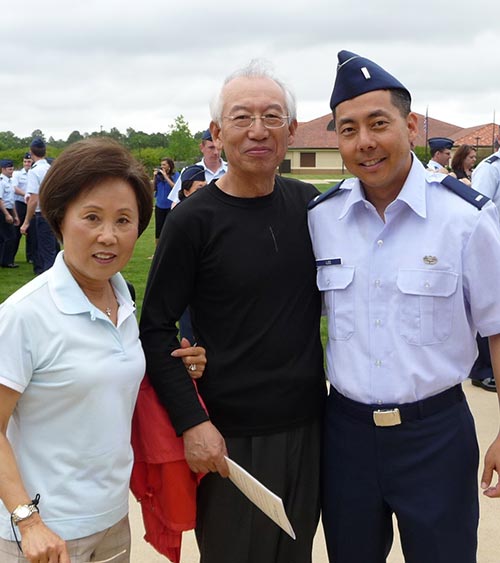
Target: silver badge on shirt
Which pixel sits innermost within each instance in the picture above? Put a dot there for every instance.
(431, 260)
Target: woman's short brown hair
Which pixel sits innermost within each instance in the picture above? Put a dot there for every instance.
(81, 167)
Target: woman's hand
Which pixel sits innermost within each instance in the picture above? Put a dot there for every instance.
(193, 357)
(39, 543)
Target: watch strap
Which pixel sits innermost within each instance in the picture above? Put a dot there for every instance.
(32, 507)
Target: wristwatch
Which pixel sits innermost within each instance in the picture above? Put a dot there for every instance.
(23, 511)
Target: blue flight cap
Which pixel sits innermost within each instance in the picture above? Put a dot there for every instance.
(194, 172)
(27, 155)
(440, 143)
(37, 143)
(6, 163)
(207, 136)
(357, 75)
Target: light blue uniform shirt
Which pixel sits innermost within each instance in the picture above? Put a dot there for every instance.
(405, 301)
(6, 191)
(79, 376)
(35, 176)
(486, 179)
(434, 166)
(20, 180)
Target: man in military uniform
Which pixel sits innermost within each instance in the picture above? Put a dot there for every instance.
(214, 165)
(399, 254)
(8, 216)
(46, 242)
(486, 177)
(20, 181)
(440, 154)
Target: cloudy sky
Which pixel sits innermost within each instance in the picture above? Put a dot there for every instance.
(109, 63)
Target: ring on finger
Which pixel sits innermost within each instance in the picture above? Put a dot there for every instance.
(192, 367)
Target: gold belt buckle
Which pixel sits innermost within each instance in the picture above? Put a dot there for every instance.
(388, 417)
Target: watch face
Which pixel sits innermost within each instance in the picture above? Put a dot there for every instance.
(23, 511)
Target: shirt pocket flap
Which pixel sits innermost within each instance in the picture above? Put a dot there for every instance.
(426, 282)
(334, 277)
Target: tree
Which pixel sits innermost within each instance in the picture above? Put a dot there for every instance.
(38, 133)
(115, 134)
(182, 145)
(73, 137)
(8, 140)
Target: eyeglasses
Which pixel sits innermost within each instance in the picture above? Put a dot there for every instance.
(269, 121)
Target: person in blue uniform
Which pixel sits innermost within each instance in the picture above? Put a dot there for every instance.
(8, 216)
(486, 177)
(440, 154)
(212, 163)
(20, 181)
(46, 244)
(192, 179)
(400, 263)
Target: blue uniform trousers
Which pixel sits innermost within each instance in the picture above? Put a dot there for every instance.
(7, 240)
(21, 209)
(423, 471)
(47, 246)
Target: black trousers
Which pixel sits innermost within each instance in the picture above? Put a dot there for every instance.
(423, 471)
(7, 240)
(21, 209)
(160, 217)
(230, 529)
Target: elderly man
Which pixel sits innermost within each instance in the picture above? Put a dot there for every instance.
(400, 259)
(238, 253)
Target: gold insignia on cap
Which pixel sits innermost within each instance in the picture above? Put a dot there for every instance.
(431, 260)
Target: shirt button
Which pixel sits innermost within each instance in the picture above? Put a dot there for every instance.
(377, 283)
(378, 363)
(427, 285)
(378, 322)
(380, 242)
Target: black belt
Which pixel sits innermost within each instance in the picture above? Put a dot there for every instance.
(393, 415)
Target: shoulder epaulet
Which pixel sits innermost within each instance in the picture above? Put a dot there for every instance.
(465, 192)
(492, 159)
(331, 192)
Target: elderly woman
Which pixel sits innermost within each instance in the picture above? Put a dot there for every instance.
(70, 368)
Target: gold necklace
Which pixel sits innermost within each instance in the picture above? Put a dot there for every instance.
(108, 311)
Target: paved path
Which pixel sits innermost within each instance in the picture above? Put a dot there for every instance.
(484, 406)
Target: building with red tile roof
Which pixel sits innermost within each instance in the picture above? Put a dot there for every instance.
(315, 147)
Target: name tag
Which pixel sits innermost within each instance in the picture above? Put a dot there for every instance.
(329, 262)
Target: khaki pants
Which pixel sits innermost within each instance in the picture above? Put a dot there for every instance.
(96, 547)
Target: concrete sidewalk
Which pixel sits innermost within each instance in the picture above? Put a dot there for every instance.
(485, 408)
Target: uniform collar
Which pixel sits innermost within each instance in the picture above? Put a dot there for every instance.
(223, 166)
(412, 192)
